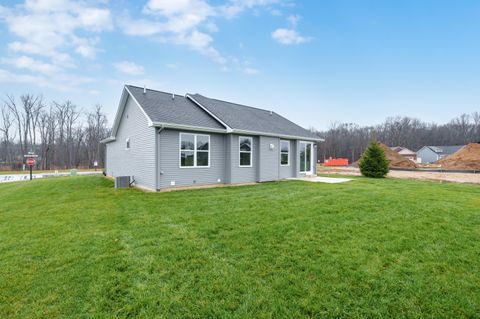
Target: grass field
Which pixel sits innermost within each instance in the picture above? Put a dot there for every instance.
(75, 247)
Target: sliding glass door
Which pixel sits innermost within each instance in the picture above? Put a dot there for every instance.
(306, 157)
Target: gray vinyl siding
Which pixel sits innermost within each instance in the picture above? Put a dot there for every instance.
(269, 159)
(427, 155)
(242, 174)
(288, 171)
(169, 161)
(139, 160)
(228, 159)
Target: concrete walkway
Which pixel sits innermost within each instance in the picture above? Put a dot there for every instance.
(318, 179)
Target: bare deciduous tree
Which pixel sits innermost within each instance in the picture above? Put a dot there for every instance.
(68, 137)
(350, 140)
(7, 133)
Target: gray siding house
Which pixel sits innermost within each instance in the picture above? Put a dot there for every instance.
(431, 154)
(162, 140)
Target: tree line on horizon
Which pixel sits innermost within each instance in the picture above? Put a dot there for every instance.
(62, 134)
(66, 136)
(350, 140)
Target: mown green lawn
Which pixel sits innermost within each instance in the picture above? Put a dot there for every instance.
(75, 247)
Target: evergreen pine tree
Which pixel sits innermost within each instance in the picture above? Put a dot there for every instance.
(374, 163)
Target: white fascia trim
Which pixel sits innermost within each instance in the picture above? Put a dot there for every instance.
(229, 129)
(292, 137)
(141, 108)
(188, 127)
(118, 115)
(108, 140)
(121, 108)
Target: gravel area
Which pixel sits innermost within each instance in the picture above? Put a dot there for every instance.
(421, 175)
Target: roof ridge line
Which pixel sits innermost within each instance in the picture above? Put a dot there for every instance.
(139, 87)
(252, 107)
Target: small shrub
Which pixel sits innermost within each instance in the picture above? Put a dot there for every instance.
(374, 163)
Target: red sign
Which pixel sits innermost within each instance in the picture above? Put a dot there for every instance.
(30, 161)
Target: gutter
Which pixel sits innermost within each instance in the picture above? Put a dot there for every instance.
(293, 137)
(163, 125)
(108, 140)
(187, 127)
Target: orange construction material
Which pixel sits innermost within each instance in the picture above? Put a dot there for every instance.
(336, 162)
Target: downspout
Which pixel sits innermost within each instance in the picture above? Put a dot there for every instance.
(157, 157)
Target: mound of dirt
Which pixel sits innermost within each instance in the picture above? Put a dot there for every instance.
(466, 158)
(396, 160)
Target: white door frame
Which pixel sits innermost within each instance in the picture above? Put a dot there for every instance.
(310, 169)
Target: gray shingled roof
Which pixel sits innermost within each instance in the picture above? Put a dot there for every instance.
(241, 117)
(160, 107)
(445, 150)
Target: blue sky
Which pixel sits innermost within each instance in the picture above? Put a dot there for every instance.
(314, 62)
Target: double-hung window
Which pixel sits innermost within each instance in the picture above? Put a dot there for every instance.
(245, 149)
(194, 150)
(284, 153)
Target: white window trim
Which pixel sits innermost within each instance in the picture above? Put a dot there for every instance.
(251, 151)
(194, 150)
(310, 172)
(288, 153)
(127, 144)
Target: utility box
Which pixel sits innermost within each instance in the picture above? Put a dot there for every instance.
(122, 182)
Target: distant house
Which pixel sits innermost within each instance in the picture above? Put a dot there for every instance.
(430, 154)
(163, 140)
(405, 152)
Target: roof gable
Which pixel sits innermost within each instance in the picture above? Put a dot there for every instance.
(169, 108)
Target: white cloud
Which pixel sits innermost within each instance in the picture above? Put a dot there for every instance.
(140, 27)
(275, 12)
(86, 47)
(251, 71)
(50, 27)
(129, 68)
(235, 7)
(178, 22)
(62, 82)
(48, 36)
(288, 36)
(25, 62)
(293, 19)
(95, 19)
(169, 7)
(48, 5)
(188, 22)
(181, 15)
